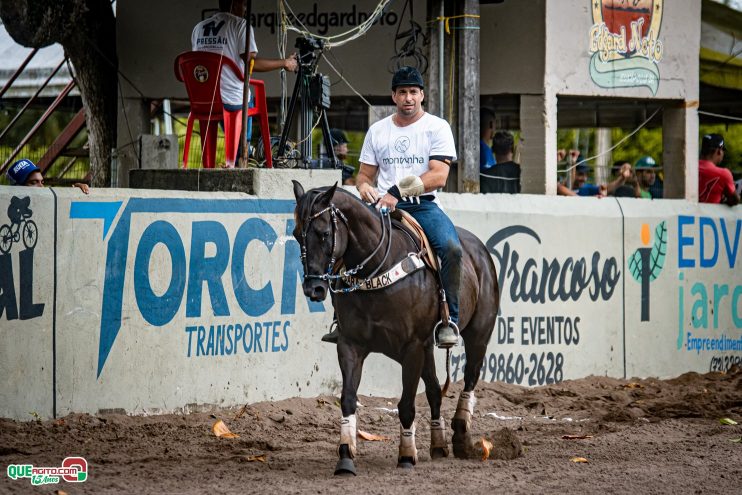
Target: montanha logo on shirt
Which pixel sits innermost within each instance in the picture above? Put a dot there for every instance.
(403, 160)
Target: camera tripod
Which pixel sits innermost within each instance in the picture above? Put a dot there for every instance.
(313, 90)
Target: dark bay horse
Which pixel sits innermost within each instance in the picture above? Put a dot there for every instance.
(334, 229)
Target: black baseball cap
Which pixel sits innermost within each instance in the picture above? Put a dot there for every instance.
(338, 137)
(711, 142)
(407, 76)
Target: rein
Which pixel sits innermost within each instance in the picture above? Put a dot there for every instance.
(330, 275)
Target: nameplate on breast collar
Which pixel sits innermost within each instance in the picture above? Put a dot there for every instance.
(408, 265)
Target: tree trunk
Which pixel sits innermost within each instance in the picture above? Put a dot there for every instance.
(87, 31)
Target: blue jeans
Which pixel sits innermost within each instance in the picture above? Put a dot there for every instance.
(445, 241)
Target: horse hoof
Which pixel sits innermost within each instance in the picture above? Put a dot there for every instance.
(345, 467)
(461, 440)
(459, 426)
(438, 452)
(405, 463)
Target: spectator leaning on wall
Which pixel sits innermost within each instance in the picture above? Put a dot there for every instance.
(715, 184)
(26, 173)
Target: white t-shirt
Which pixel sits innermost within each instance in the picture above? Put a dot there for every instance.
(403, 151)
(225, 33)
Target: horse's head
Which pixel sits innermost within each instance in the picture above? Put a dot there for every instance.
(321, 240)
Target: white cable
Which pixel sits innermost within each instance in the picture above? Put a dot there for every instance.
(352, 34)
(614, 146)
(498, 177)
(351, 87)
(728, 117)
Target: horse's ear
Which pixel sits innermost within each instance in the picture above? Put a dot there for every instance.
(298, 190)
(327, 195)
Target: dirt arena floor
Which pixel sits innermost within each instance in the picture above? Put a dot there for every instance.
(638, 436)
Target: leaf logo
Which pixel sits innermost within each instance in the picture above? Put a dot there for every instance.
(656, 255)
(646, 264)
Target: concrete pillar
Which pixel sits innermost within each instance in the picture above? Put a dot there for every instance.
(680, 150)
(436, 69)
(468, 99)
(133, 120)
(538, 124)
(602, 163)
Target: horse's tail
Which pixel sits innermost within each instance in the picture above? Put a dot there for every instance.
(448, 373)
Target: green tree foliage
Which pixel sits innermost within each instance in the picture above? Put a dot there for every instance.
(649, 142)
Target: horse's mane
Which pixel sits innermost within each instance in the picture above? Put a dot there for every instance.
(311, 196)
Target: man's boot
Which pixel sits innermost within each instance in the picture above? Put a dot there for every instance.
(333, 335)
(446, 335)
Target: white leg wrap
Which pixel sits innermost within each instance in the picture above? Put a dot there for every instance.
(438, 434)
(348, 433)
(407, 442)
(465, 407)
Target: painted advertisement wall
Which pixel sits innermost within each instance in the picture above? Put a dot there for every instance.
(27, 290)
(558, 283)
(153, 301)
(683, 288)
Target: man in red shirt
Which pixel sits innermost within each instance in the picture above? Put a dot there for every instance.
(715, 184)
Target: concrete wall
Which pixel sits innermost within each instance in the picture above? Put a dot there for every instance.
(512, 37)
(147, 46)
(159, 301)
(574, 66)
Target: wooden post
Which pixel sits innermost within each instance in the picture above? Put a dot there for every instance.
(467, 36)
(434, 88)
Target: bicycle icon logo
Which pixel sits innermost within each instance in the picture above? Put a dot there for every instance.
(21, 228)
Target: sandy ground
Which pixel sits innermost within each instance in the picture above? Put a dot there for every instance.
(643, 436)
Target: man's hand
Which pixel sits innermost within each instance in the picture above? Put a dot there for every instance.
(388, 201)
(291, 63)
(82, 186)
(626, 171)
(368, 192)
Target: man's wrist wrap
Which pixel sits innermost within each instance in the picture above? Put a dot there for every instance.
(394, 191)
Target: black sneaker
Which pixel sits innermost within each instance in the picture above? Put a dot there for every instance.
(446, 336)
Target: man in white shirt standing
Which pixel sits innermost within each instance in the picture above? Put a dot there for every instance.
(408, 156)
(225, 33)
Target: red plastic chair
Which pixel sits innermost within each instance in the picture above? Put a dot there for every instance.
(200, 71)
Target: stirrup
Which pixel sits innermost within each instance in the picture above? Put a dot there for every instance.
(447, 343)
(333, 335)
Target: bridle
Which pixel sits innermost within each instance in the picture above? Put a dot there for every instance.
(330, 275)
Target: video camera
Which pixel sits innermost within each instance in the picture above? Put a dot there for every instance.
(307, 47)
(308, 44)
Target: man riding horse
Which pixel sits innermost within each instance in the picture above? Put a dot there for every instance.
(408, 155)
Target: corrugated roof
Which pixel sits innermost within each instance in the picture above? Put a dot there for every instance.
(38, 69)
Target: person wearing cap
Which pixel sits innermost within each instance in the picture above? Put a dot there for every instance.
(624, 184)
(25, 173)
(715, 184)
(340, 145)
(486, 133)
(504, 176)
(646, 175)
(408, 156)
